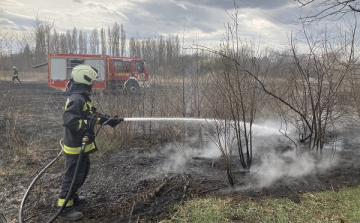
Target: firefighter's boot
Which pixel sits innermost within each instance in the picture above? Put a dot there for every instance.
(70, 214)
(79, 199)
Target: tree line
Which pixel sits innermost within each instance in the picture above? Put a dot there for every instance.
(26, 50)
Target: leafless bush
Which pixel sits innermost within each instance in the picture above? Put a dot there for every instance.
(234, 96)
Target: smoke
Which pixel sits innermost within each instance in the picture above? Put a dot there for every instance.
(277, 157)
(178, 158)
(274, 157)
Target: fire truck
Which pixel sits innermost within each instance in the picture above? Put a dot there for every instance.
(127, 73)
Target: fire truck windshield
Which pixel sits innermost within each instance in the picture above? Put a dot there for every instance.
(139, 65)
(118, 65)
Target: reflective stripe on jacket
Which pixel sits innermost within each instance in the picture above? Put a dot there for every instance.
(76, 150)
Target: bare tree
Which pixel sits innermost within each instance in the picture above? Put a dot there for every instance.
(110, 41)
(235, 97)
(27, 54)
(64, 47)
(114, 40)
(169, 49)
(55, 42)
(82, 42)
(10, 44)
(24, 53)
(161, 51)
(74, 41)
(328, 9)
(103, 41)
(314, 84)
(85, 41)
(94, 42)
(41, 35)
(132, 46)
(69, 43)
(148, 51)
(7, 46)
(122, 40)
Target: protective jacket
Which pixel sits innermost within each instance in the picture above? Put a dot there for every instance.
(16, 72)
(75, 120)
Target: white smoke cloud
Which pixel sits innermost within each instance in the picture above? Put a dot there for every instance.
(274, 157)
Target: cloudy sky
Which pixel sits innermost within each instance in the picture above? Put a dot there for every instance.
(268, 22)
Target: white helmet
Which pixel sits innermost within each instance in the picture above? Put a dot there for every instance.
(84, 74)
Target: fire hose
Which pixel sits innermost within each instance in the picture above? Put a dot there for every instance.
(55, 216)
(84, 142)
(34, 180)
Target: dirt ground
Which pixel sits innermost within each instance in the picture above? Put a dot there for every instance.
(139, 183)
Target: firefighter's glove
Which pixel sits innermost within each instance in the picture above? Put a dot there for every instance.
(90, 130)
(93, 116)
(114, 121)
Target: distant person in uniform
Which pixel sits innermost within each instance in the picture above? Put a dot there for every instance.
(15, 75)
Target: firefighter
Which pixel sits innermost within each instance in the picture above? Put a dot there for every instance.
(79, 119)
(15, 75)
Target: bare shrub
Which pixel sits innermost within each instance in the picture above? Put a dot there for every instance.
(234, 96)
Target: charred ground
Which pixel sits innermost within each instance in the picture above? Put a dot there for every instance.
(133, 183)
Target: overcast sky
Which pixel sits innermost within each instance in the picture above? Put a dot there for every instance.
(268, 22)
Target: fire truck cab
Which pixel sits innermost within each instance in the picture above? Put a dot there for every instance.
(127, 73)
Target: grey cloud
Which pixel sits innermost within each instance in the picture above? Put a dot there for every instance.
(263, 4)
(16, 21)
(6, 22)
(205, 15)
(224, 4)
(283, 16)
(229, 4)
(96, 5)
(102, 7)
(170, 17)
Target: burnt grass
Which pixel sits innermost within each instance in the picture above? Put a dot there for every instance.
(137, 182)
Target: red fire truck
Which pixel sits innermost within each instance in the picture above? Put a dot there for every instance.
(127, 73)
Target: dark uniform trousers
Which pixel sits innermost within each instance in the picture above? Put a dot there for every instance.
(70, 166)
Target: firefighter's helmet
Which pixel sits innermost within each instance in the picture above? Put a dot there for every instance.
(84, 74)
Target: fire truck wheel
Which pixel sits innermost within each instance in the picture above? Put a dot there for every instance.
(132, 88)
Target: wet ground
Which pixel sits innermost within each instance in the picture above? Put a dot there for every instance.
(140, 183)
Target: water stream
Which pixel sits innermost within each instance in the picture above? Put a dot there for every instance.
(167, 119)
(197, 120)
(258, 129)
